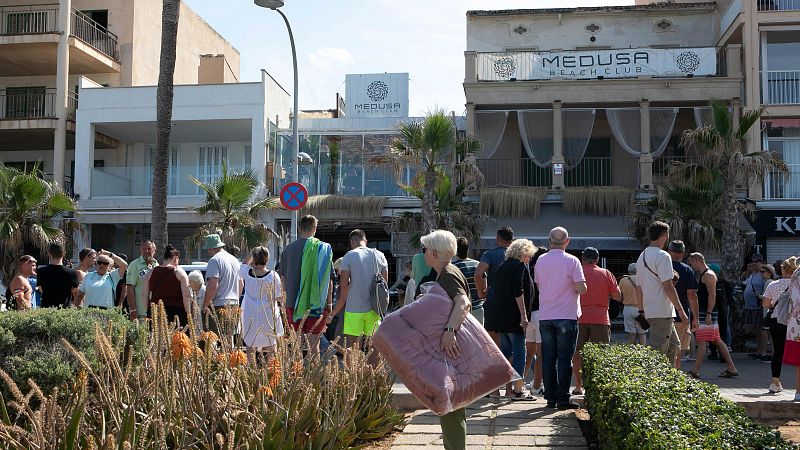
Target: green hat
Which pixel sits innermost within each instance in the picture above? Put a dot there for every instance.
(212, 241)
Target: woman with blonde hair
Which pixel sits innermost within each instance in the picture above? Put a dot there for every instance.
(438, 248)
(511, 307)
(772, 296)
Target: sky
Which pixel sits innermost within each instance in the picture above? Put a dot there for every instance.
(425, 38)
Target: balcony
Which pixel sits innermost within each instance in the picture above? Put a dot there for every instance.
(779, 186)
(781, 87)
(29, 36)
(34, 105)
(588, 172)
(779, 5)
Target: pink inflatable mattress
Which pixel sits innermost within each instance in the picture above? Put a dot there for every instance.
(410, 340)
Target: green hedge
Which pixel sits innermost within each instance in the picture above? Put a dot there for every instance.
(31, 343)
(637, 400)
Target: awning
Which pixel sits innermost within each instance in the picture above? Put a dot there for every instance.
(585, 230)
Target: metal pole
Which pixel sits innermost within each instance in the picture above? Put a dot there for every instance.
(295, 132)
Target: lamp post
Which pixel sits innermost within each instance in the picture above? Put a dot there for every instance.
(275, 5)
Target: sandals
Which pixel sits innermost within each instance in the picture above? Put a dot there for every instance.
(521, 396)
(694, 374)
(728, 374)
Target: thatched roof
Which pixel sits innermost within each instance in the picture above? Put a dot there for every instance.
(519, 202)
(601, 200)
(365, 207)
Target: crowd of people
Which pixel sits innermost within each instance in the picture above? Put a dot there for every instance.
(540, 304)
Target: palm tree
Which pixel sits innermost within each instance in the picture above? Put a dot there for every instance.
(725, 145)
(234, 203)
(30, 208)
(166, 72)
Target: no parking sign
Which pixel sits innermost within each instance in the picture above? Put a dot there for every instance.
(294, 196)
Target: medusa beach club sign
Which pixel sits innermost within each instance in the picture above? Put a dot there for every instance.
(620, 63)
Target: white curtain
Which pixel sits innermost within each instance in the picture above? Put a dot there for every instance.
(702, 116)
(536, 130)
(489, 127)
(578, 125)
(626, 126)
(791, 156)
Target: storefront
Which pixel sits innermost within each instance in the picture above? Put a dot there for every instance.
(778, 233)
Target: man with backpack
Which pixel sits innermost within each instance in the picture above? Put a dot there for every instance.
(357, 278)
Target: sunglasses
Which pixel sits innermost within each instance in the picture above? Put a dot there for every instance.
(424, 250)
(102, 263)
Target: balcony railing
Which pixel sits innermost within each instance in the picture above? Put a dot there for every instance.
(780, 186)
(779, 5)
(514, 172)
(781, 87)
(38, 19)
(15, 106)
(588, 171)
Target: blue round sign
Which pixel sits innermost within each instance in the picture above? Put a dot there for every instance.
(294, 196)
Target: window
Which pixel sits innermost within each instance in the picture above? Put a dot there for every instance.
(209, 163)
(248, 157)
(783, 51)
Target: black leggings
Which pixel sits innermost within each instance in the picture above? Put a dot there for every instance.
(778, 333)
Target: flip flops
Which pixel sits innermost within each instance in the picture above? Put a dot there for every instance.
(728, 374)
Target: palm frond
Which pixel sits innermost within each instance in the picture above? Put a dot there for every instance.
(747, 121)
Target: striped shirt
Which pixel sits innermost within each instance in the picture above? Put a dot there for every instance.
(467, 267)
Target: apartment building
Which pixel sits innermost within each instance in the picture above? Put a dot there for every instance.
(48, 49)
(581, 109)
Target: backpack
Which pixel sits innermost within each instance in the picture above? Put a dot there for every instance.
(379, 291)
(783, 304)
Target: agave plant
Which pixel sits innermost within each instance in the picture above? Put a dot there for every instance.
(30, 209)
(234, 202)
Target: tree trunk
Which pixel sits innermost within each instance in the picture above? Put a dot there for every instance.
(731, 255)
(166, 73)
(429, 201)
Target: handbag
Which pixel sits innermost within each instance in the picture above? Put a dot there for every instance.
(379, 292)
(780, 311)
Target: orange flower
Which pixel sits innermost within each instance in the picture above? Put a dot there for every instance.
(209, 336)
(274, 367)
(297, 368)
(265, 390)
(237, 358)
(181, 346)
(222, 357)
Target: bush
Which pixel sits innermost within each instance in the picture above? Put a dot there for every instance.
(182, 396)
(31, 342)
(638, 400)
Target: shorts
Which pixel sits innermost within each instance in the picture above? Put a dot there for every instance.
(312, 325)
(361, 323)
(753, 317)
(532, 333)
(682, 328)
(629, 315)
(664, 338)
(592, 332)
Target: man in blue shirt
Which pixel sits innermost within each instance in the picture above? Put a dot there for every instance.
(687, 294)
(487, 268)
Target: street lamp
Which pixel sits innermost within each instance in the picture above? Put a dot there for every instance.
(275, 5)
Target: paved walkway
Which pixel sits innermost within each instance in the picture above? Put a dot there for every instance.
(499, 425)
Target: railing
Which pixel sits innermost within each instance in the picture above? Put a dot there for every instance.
(94, 34)
(588, 171)
(514, 172)
(34, 105)
(32, 19)
(779, 5)
(663, 164)
(730, 14)
(781, 86)
(36, 19)
(780, 186)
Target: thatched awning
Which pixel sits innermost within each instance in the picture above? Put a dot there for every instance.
(601, 200)
(517, 202)
(363, 207)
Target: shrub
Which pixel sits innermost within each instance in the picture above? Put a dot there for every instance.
(31, 342)
(179, 396)
(637, 400)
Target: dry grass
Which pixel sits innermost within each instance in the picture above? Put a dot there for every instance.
(519, 202)
(605, 201)
(362, 207)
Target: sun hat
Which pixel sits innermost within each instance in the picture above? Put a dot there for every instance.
(212, 241)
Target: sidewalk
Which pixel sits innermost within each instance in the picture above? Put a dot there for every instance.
(499, 425)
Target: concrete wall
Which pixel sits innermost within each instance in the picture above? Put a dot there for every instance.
(618, 29)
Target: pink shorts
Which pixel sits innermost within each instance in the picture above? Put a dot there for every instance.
(707, 333)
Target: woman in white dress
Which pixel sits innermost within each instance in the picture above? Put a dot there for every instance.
(261, 316)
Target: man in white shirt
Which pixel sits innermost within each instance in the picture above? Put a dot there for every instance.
(657, 291)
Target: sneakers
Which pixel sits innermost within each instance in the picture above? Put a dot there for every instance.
(577, 391)
(775, 388)
(766, 359)
(573, 405)
(539, 391)
(520, 396)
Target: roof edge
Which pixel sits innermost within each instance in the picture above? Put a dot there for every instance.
(593, 9)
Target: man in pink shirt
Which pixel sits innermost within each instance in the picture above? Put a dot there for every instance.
(593, 325)
(560, 279)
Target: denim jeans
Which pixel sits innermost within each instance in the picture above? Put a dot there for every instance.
(512, 345)
(558, 346)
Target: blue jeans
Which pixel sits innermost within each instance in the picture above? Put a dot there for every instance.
(512, 345)
(558, 346)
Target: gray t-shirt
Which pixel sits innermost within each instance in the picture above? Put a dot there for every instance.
(224, 267)
(362, 266)
(289, 268)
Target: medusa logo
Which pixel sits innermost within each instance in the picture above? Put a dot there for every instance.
(688, 61)
(505, 67)
(377, 91)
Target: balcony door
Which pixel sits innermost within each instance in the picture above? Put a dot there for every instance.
(209, 163)
(172, 172)
(594, 169)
